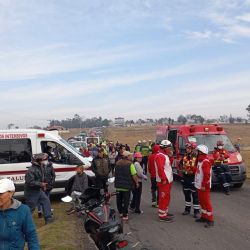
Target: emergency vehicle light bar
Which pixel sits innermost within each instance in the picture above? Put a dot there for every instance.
(219, 128)
(41, 135)
(192, 129)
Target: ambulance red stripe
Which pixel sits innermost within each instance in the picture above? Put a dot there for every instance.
(24, 171)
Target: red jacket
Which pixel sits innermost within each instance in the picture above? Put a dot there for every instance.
(86, 153)
(220, 156)
(164, 169)
(151, 161)
(204, 179)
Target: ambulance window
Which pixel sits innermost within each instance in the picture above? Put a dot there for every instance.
(15, 151)
(182, 145)
(58, 154)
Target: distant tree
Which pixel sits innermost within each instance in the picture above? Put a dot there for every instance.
(182, 119)
(129, 122)
(231, 119)
(105, 122)
(239, 119)
(10, 126)
(36, 127)
(248, 109)
(197, 119)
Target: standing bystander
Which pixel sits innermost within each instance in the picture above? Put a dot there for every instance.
(16, 224)
(164, 178)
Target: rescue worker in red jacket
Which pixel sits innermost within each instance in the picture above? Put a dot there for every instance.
(203, 177)
(221, 168)
(151, 170)
(164, 178)
(189, 168)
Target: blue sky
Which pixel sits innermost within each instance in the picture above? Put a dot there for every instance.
(130, 58)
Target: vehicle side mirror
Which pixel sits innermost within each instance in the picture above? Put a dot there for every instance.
(237, 146)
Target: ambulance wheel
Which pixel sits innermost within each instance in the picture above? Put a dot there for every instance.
(238, 185)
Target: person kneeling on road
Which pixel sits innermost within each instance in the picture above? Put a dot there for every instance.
(164, 178)
(203, 184)
(35, 187)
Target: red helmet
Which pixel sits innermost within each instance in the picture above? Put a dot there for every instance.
(191, 145)
(137, 155)
(220, 143)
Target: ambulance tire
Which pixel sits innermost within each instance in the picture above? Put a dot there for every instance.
(238, 185)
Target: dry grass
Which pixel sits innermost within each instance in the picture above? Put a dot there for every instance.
(63, 234)
(130, 135)
(239, 131)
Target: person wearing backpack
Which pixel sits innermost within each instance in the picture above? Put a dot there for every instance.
(101, 168)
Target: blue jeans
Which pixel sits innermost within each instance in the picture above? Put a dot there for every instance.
(39, 207)
(35, 197)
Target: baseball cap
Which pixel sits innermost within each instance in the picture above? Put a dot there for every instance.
(6, 185)
(126, 153)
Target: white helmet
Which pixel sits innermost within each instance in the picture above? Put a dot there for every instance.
(165, 144)
(203, 149)
(139, 141)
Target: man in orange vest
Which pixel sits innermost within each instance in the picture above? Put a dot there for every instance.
(221, 169)
(189, 168)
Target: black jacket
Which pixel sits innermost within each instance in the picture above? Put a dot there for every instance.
(101, 166)
(34, 177)
(123, 177)
(50, 176)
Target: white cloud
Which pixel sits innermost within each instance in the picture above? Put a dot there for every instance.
(27, 64)
(72, 89)
(244, 17)
(224, 19)
(200, 35)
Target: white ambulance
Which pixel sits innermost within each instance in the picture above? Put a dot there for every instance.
(17, 147)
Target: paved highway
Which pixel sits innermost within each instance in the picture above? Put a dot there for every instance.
(231, 230)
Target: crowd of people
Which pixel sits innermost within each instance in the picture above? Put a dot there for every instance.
(129, 169)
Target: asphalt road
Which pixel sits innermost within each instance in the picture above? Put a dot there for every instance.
(231, 230)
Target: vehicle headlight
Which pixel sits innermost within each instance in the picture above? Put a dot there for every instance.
(239, 157)
(114, 229)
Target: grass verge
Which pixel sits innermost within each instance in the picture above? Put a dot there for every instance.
(63, 234)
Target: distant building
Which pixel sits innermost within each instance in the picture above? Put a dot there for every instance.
(119, 122)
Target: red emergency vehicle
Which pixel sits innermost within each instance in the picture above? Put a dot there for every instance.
(208, 135)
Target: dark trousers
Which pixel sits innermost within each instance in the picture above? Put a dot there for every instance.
(224, 175)
(190, 192)
(154, 191)
(136, 201)
(112, 168)
(122, 202)
(39, 207)
(145, 164)
(35, 197)
(101, 182)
